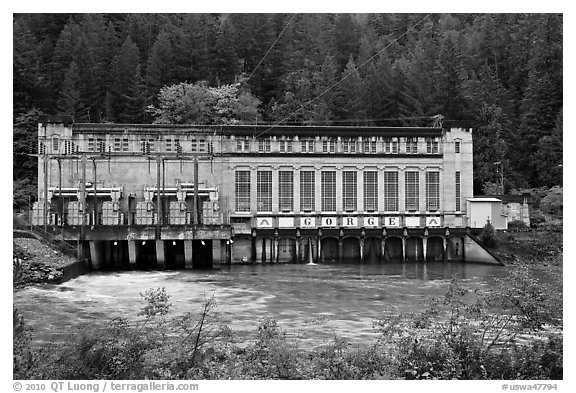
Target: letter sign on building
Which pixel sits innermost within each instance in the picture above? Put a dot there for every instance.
(329, 221)
(392, 221)
(433, 221)
(264, 222)
(308, 222)
(349, 222)
(285, 222)
(370, 222)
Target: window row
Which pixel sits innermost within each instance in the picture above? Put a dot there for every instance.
(329, 194)
(370, 145)
(148, 145)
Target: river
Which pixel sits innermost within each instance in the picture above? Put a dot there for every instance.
(347, 298)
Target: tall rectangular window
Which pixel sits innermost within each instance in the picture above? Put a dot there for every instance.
(349, 190)
(286, 190)
(394, 146)
(117, 144)
(242, 188)
(90, 144)
(101, 145)
(328, 188)
(168, 145)
(55, 143)
(412, 184)
(152, 145)
(391, 191)
(264, 191)
(457, 147)
(457, 207)
(125, 144)
(432, 191)
(307, 191)
(370, 191)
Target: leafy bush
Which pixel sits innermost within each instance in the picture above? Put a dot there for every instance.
(517, 225)
(552, 203)
(537, 218)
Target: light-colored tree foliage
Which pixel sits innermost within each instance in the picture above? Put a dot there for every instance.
(202, 104)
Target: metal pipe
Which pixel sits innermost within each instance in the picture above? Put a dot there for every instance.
(45, 192)
(158, 201)
(60, 201)
(195, 208)
(95, 220)
(163, 186)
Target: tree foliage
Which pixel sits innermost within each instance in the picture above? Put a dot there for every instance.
(202, 104)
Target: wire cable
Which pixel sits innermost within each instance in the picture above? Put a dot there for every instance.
(272, 46)
(344, 78)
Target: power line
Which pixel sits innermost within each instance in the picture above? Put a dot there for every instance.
(272, 46)
(344, 78)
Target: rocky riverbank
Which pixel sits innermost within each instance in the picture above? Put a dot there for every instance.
(35, 262)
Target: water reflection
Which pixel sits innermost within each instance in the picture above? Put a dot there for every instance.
(346, 298)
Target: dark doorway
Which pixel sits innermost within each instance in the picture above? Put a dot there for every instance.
(202, 254)
(435, 249)
(174, 254)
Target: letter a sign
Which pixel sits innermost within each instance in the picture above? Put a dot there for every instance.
(264, 222)
(432, 221)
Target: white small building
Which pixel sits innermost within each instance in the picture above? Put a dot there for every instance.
(483, 210)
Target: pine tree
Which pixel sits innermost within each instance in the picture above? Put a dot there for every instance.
(70, 102)
(226, 63)
(347, 103)
(542, 98)
(127, 89)
(450, 77)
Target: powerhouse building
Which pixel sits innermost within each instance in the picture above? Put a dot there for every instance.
(191, 196)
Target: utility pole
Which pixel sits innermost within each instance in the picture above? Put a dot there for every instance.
(158, 200)
(500, 174)
(195, 210)
(45, 191)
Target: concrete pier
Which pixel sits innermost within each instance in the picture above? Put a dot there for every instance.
(96, 256)
(132, 253)
(160, 254)
(188, 255)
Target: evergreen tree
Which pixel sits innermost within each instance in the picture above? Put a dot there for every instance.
(450, 77)
(346, 40)
(70, 102)
(127, 90)
(542, 98)
(347, 102)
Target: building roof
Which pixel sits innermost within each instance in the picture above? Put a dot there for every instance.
(483, 199)
(258, 130)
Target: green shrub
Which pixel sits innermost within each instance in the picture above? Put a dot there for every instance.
(537, 218)
(517, 225)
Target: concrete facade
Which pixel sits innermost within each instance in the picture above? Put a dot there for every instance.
(196, 196)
